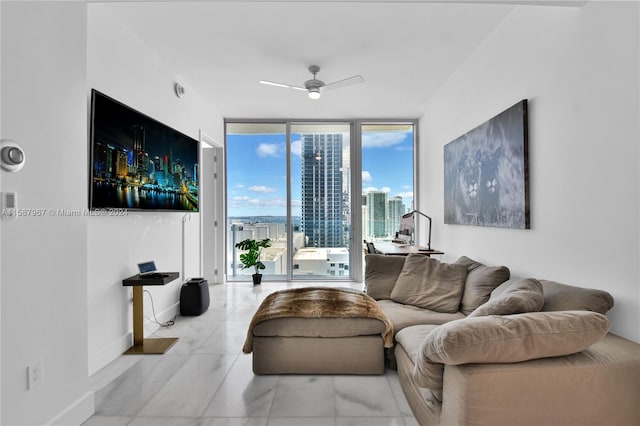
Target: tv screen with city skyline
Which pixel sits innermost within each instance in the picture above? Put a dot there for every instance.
(139, 163)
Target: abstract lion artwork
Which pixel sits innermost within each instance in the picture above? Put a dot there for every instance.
(486, 173)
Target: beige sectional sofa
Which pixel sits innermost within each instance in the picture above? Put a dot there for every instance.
(474, 347)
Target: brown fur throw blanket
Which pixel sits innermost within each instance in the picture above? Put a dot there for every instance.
(318, 302)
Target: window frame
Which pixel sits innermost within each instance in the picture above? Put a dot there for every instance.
(356, 265)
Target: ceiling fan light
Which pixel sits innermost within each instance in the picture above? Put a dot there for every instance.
(314, 93)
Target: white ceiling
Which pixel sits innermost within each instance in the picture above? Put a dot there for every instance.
(404, 51)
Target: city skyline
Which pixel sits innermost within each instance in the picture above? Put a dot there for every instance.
(138, 162)
(121, 127)
(257, 177)
(320, 193)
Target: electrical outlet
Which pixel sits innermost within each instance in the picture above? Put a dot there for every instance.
(34, 375)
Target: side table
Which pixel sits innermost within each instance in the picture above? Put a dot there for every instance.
(141, 345)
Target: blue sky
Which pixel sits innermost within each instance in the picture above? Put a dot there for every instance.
(256, 171)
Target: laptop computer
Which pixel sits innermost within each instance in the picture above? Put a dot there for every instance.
(147, 268)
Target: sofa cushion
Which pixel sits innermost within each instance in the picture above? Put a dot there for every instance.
(402, 316)
(481, 280)
(513, 338)
(562, 297)
(430, 284)
(381, 273)
(513, 297)
(431, 373)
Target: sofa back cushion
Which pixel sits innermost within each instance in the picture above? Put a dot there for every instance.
(430, 284)
(505, 339)
(513, 297)
(562, 297)
(381, 273)
(481, 281)
(514, 338)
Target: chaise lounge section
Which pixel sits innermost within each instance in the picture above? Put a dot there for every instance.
(598, 386)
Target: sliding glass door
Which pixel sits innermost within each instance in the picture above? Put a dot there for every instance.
(316, 189)
(256, 187)
(321, 199)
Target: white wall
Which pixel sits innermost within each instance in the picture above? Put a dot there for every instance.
(0, 226)
(578, 67)
(120, 65)
(62, 299)
(44, 292)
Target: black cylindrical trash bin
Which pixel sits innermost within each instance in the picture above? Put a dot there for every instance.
(194, 297)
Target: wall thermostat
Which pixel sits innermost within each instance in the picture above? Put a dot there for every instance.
(12, 157)
(179, 90)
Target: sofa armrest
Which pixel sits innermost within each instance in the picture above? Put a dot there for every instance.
(597, 386)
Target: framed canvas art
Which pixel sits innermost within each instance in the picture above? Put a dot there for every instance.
(486, 176)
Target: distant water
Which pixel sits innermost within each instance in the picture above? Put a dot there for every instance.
(296, 220)
(107, 195)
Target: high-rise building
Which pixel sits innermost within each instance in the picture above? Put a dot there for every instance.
(377, 214)
(346, 200)
(121, 163)
(170, 161)
(138, 144)
(365, 218)
(396, 210)
(323, 221)
(142, 159)
(101, 158)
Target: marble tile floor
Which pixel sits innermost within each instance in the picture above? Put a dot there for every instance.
(206, 380)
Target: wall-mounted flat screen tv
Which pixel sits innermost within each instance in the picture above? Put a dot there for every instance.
(139, 163)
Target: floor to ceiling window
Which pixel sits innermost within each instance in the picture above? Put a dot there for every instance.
(321, 189)
(298, 183)
(387, 177)
(256, 179)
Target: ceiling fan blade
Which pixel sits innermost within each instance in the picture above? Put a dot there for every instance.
(287, 86)
(356, 79)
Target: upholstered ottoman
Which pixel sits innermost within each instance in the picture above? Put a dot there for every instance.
(318, 330)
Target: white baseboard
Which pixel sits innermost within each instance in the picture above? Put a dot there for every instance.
(164, 316)
(77, 413)
(116, 348)
(110, 352)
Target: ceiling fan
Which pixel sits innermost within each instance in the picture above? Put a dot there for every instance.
(315, 87)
